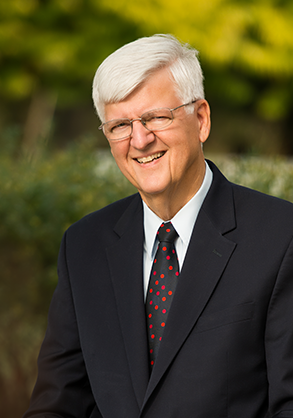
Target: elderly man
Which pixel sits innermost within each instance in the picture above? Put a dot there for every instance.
(176, 301)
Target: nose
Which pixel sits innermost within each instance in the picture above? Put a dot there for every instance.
(141, 137)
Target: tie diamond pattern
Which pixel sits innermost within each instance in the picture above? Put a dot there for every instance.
(162, 284)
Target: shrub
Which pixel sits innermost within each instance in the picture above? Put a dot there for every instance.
(39, 200)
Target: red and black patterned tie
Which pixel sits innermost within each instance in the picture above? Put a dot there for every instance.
(162, 284)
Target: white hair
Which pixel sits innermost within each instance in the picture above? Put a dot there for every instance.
(127, 68)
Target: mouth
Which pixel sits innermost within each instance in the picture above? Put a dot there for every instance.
(150, 158)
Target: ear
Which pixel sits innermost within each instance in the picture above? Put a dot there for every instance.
(204, 119)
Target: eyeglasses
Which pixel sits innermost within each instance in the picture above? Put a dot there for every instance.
(153, 120)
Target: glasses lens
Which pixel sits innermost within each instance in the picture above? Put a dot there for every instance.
(117, 129)
(157, 119)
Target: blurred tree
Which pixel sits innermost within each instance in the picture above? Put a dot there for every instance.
(49, 50)
(246, 48)
(251, 37)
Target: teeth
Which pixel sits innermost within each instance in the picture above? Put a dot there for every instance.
(150, 158)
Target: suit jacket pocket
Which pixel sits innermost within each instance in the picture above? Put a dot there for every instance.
(233, 314)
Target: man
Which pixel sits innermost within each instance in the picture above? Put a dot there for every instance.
(224, 347)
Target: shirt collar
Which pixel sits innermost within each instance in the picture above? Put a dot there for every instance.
(183, 221)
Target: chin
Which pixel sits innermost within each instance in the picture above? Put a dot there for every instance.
(152, 191)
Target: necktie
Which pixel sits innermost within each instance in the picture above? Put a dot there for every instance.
(162, 284)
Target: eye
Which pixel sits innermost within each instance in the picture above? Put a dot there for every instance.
(118, 125)
(158, 118)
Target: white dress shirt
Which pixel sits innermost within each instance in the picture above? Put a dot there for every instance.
(183, 223)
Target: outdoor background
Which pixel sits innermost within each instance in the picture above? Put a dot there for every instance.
(55, 165)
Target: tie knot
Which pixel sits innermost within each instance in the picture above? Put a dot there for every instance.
(167, 233)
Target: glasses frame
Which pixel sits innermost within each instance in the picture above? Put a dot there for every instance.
(101, 127)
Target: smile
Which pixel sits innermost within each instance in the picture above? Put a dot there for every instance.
(150, 158)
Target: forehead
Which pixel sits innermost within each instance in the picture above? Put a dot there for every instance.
(157, 91)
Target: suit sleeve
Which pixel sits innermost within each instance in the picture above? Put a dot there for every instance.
(62, 388)
(279, 341)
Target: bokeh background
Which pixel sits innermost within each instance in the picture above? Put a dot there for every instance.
(55, 165)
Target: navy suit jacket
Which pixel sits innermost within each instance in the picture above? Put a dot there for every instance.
(227, 349)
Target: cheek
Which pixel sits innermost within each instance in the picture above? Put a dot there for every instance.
(186, 155)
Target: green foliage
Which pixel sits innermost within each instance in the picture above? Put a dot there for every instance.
(39, 200)
(240, 43)
(50, 49)
(273, 176)
(56, 45)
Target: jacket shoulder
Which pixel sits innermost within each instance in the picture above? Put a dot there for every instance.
(104, 219)
(250, 198)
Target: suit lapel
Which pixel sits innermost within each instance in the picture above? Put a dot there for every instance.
(208, 253)
(125, 260)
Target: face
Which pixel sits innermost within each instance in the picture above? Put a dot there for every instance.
(166, 164)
